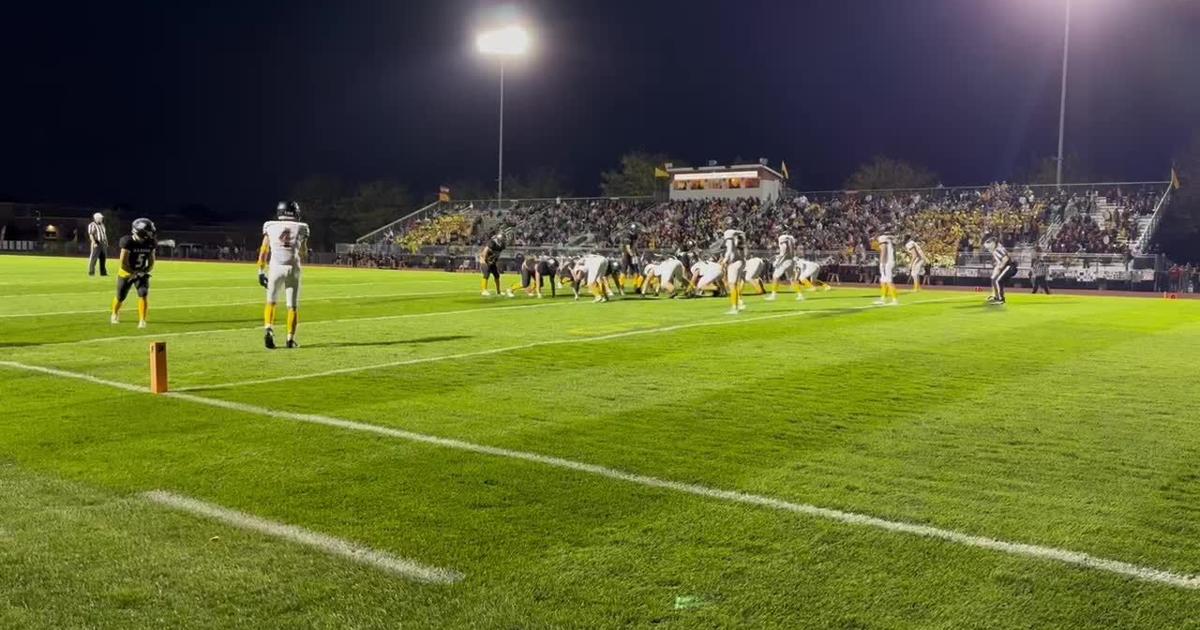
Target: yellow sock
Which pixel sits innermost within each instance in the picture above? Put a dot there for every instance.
(892, 291)
(293, 318)
(269, 316)
(483, 285)
(916, 285)
(807, 284)
(775, 287)
(116, 306)
(143, 306)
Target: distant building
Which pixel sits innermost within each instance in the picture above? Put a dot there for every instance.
(739, 181)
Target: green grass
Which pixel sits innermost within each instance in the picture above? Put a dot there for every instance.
(1062, 421)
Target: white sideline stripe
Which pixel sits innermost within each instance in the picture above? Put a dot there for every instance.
(224, 304)
(307, 538)
(539, 344)
(1065, 556)
(155, 337)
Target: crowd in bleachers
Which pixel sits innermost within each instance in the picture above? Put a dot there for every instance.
(1081, 232)
(438, 230)
(843, 224)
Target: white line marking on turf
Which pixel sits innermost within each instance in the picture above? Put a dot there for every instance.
(328, 544)
(144, 336)
(76, 375)
(109, 291)
(224, 304)
(539, 344)
(1040, 552)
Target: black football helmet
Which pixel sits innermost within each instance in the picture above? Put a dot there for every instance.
(288, 211)
(143, 229)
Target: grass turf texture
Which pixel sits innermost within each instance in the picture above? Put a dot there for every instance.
(1059, 421)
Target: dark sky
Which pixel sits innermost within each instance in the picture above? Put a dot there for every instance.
(230, 103)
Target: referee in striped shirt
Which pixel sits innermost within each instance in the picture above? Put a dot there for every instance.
(98, 238)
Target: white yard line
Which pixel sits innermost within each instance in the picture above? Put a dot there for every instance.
(155, 308)
(1040, 552)
(150, 336)
(728, 320)
(307, 538)
(157, 289)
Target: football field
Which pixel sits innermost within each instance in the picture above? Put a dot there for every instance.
(431, 458)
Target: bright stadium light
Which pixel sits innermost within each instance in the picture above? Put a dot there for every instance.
(511, 41)
(502, 43)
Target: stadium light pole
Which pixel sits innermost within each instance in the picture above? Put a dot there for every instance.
(1062, 103)
(502, 43)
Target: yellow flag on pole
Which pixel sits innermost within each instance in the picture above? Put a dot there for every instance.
(660, 173)
(1175, 180)
(783, 167)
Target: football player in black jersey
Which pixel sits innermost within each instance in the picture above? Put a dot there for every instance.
(489, 262)
(137, 260)
(547, 270)
(630, 260)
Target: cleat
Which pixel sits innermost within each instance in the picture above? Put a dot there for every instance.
(732, 311)
(291, 343)
(799, 297)
(828, 288)
(142, 324)
(741, 307)
(269, 339)
(509, 293)
(114, 319)
(772, 297)
(485, 294)
(894, 303)
(879, 302)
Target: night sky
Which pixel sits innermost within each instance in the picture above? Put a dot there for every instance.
(228, 104)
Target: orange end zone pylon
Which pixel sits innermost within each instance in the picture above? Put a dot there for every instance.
(158, 367)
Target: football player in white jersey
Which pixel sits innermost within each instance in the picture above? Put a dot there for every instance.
(670, 276)
(917, 262)
(649, 277)
(887, 270)
(706, 276)
(284, 244)
(807, 274)
(785, 266)
(756, 270)
(733, 262)
(594, 270)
